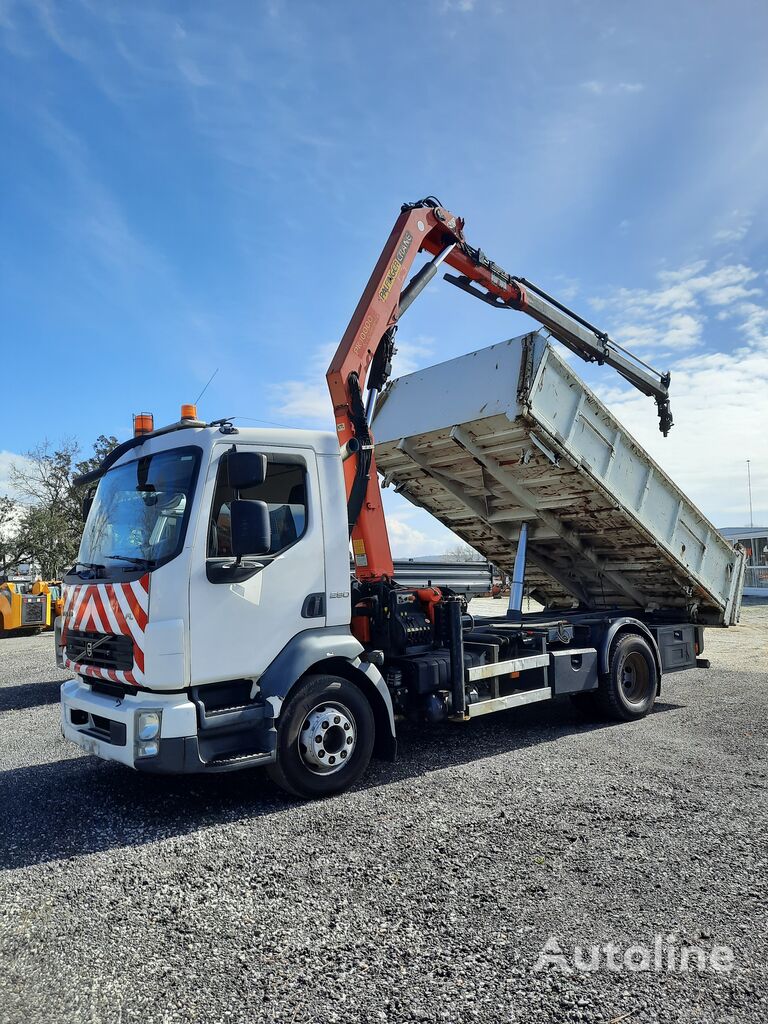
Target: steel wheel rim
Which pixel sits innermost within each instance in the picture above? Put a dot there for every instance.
(327, 738)
(635, 678)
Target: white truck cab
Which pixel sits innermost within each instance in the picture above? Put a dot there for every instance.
(185, 652)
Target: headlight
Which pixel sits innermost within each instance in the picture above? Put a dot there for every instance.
(148, 725)
(151, 749)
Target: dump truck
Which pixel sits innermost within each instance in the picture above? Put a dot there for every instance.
(212, 622)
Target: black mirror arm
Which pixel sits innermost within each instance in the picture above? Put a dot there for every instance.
(230, 572)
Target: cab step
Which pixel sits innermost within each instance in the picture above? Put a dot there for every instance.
(230, 762)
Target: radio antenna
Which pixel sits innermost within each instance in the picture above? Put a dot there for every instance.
(206, 386)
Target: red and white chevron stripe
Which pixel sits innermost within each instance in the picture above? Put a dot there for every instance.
(121, 609)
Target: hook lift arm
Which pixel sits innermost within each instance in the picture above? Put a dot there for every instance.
(368, 345)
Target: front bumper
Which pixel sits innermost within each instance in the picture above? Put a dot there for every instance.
(106, 725)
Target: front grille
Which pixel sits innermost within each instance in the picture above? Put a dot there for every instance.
(33, 611)
(109, 688)
(106, 650)
(99, 727)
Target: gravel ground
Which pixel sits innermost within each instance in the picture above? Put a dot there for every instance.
(425, 894)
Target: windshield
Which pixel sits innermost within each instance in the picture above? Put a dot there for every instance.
(140, 511)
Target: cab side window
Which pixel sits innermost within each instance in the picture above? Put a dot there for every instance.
(285, 492)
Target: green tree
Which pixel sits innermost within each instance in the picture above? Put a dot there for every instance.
(50, 526)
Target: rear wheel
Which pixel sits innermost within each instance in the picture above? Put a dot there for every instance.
(629, 689)
(324, 738)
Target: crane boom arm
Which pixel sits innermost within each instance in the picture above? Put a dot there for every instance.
(364, 355)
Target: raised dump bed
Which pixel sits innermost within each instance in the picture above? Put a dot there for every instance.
(510, 434)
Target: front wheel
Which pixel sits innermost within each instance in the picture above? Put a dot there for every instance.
(325, 737)
(629, 690)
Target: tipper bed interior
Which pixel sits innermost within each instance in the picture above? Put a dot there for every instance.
(509, 436)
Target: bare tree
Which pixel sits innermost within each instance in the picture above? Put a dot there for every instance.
(463, 553)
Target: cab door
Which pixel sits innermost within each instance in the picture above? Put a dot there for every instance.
(237, 628)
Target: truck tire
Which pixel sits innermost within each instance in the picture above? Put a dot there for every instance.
(629, 690)
(325, 737)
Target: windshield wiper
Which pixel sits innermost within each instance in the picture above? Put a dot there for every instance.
(133, 560)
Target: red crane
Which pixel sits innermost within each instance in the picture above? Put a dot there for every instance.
(364, 356)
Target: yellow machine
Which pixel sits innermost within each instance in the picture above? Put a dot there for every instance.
(29, 606)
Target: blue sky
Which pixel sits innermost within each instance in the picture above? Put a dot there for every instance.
(192, 186)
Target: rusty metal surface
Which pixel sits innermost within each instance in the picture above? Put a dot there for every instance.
(510, 434)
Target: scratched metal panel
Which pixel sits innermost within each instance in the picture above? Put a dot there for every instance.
(510, 434)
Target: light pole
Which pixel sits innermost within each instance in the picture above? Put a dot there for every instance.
(749, 487)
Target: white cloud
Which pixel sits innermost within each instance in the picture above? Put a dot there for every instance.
(303, 400)
(754, 321)
(734, 230)
(671, 317)
(407, 541)
(675, 333)
(719, 398)
(599, 88)
(565, 287)
(412, 531)
(412, 355)
(690, 286)
(462, 6)
(8, 459)
(10, 525)
(306, 399)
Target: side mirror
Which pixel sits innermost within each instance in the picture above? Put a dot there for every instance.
(246, 469)
(250, 526)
